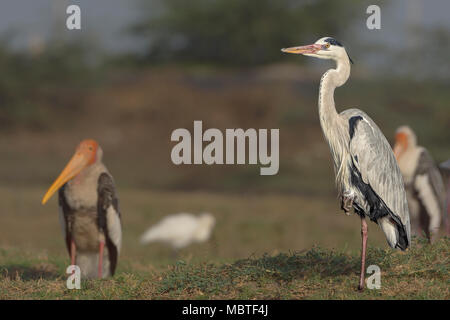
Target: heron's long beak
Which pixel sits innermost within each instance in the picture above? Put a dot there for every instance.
(78, 162)
(312, 48)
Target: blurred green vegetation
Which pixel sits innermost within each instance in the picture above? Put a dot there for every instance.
(51, 76)
(424, 58)
(220, 62)
(236, 32)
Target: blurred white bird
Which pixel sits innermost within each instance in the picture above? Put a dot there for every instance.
(180, 230)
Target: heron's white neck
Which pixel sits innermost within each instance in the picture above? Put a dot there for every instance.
(331, 79)
(329, 118)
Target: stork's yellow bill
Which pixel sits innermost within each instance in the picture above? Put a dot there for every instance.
(85, 155)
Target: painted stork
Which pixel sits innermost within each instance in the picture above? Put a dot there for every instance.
(89, 212)
(367, 175)
(180, 230)
(423, 183)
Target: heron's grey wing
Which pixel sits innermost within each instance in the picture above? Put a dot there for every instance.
(429, 185)
(373, 158)
(109, 217)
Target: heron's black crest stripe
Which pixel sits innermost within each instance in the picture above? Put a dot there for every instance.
(350, 59)
(334, 42)
(352, 122)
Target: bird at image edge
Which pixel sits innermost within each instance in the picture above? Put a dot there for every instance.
(367, 175)
(88, 212)
(424, 186)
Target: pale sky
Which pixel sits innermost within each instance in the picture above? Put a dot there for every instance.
(105, 20)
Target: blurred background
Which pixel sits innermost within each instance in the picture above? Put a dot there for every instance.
(137, 70)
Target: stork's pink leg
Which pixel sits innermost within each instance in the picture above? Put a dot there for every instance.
(73, 252)
(363, 252)
(100, 259)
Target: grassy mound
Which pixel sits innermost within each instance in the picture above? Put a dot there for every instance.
(419, 273)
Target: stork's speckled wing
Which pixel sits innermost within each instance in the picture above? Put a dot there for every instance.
(373, 157)
(445, 166)
(64, 213)
(109, 217)
(429, 186)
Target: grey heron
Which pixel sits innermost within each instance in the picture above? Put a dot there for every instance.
(367, 175)
(89, 212)
(423, 183)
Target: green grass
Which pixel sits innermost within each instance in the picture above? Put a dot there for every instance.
(263, 247)
(420, 273)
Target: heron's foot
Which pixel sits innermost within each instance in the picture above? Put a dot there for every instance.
(347, 202)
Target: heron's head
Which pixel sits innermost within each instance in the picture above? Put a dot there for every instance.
(324, 48)
(404, 139)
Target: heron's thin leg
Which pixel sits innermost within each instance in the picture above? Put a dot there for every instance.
(363, 252)
(100, 260)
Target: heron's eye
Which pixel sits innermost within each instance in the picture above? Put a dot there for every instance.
(326, 45)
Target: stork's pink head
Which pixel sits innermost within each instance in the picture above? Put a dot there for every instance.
(87, 153)
(88, 148)
(404, 139)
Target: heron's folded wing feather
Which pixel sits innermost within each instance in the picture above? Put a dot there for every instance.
(374, 159)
